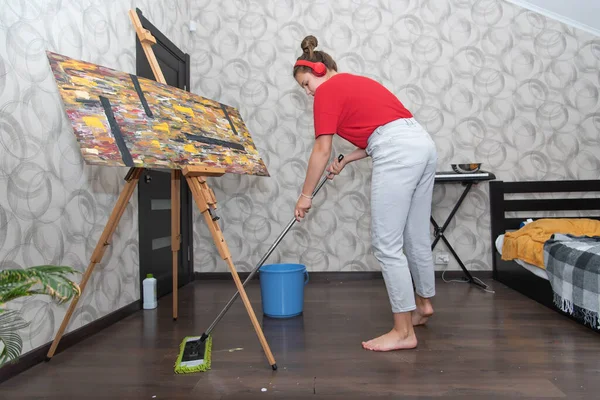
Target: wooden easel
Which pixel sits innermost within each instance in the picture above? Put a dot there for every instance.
(204, 198)
(206, 202)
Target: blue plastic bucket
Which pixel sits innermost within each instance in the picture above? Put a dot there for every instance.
(282, 289)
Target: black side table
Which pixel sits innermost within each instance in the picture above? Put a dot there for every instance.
(468, 180)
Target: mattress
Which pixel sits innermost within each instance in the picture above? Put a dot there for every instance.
(529, 267)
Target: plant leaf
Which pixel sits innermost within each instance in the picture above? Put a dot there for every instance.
(10, 323)
(49, 280)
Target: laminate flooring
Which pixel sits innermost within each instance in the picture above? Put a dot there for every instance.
(478, 345)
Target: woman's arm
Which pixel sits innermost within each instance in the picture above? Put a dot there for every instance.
(356, 155)
(317, 163)
(336, 167)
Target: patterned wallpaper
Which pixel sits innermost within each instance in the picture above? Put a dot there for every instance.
(492, 82)
(53, 207)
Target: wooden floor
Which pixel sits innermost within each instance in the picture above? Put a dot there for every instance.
(478, 345)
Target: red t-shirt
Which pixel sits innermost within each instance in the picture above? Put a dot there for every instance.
(353, 107)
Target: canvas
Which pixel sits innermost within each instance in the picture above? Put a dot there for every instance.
(123, 120)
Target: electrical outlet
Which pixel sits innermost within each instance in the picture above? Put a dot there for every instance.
(442, 258)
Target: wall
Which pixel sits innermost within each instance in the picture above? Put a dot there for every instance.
(582, 14)
(53, 207)
(491, 81)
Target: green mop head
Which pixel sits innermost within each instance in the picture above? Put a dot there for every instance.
(194, 355)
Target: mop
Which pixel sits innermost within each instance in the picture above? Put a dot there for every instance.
(195, 351)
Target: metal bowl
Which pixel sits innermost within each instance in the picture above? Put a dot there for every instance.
(466, 168)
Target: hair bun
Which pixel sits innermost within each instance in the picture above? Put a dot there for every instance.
(308, 44)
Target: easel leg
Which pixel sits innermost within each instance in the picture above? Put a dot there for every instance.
(175, 231)
(147, 40)
(201, 193)
(257, 328)
(113, 221)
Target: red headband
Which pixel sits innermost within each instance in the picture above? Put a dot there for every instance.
(319, 69)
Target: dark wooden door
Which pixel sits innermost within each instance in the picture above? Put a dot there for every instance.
(154, 189)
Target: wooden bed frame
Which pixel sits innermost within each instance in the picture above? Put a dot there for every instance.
(510, 273)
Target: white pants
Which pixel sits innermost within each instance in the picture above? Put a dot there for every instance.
(404, 164)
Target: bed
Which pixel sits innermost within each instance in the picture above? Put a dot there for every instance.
(577, 201)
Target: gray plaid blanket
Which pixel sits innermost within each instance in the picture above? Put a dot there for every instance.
(573, 267)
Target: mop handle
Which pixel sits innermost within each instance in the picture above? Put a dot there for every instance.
(263, 259)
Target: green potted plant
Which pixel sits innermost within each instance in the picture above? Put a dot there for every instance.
(50, 280)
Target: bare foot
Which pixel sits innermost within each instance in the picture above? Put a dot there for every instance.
(420, 317)
(393, 340)
(423, 312)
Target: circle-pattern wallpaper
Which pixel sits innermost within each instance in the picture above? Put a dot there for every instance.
(492, 83)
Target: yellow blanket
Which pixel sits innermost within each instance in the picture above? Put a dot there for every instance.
(527, 243)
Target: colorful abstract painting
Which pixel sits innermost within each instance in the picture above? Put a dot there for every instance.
(120, 119)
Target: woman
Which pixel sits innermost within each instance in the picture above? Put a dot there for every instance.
(404, 157)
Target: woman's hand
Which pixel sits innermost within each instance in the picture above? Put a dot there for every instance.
(302, 207)
(335, 168)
